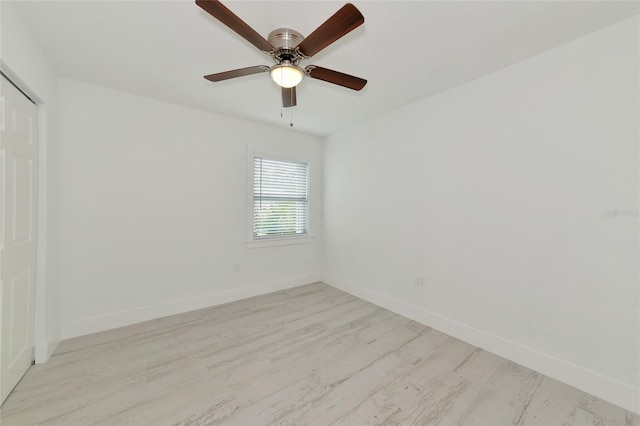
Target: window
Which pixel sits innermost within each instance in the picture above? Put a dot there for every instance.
(280, 202)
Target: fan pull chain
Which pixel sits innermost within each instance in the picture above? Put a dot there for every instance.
(291, 120)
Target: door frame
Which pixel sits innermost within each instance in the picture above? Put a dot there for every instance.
(43, 348)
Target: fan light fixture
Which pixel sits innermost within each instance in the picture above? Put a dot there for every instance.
(286, 74)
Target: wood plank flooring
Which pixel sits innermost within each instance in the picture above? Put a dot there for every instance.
(311, 355)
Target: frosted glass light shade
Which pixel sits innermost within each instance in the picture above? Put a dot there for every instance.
(286, 75)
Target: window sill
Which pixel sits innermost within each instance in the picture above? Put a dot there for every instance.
(271, 242)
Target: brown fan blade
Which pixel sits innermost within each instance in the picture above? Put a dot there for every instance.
(237, 73)
(342, 22)
(289, 97)
(231, 20)
(335, 77)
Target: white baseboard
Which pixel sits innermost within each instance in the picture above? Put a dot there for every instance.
(47, 348)
(606, 388)
(113, 320)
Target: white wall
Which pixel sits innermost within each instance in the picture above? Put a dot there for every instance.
(154, 209)
(496, 193)
(25, 64)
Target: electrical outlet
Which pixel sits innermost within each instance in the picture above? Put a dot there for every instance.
(419, 282)
(236, 268)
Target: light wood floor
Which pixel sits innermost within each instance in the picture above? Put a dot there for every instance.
(309, 355)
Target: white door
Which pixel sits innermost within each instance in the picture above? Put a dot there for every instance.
(18, 190)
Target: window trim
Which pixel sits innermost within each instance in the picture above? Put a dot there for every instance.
(277, 240)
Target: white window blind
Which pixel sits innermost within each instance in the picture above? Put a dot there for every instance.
(280, 203)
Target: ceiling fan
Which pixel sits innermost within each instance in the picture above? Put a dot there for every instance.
(288, 47)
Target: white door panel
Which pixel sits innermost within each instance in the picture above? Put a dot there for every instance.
(18, 174)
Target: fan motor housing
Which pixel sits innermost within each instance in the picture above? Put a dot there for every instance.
(285, 38)
(284, 42)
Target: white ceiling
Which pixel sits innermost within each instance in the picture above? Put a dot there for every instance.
(406, 49)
